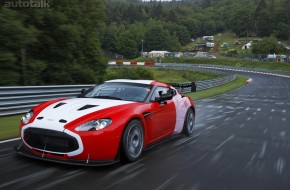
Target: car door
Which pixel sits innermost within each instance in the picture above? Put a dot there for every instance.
(162, 119)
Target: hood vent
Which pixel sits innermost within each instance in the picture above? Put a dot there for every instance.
(59, 104)
(87, 107)
(62, 121)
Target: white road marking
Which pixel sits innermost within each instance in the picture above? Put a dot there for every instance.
(227, 118)
(182, 141)
(40, 175)
(265, 131)
(272, 110)
(10, 140)
(232, 108)
(216, 157)
(279, 166)
(242, 125)
(249, 118)
(225, 141)
(63, 178)
(210, 127)
(263, 150)
(213, 118)
(167, 182)
(228, 112)
(284, 119)
(251, 160)
(282, 134)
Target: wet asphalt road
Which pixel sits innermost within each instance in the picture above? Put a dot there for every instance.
(241, 141)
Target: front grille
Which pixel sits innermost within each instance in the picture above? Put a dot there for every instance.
(49, 140)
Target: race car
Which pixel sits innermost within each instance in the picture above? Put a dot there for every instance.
(114, 120)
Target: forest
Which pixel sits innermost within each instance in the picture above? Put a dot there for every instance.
(170, 25)
(66, 42)
(59, 44)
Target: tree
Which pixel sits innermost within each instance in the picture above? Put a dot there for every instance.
(129, 41)
(158, 38)
(282, 31)
(241, 20)
(268, 45)
(180, 32)
(15, 37)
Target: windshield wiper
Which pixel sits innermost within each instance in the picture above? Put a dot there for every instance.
(107, 97)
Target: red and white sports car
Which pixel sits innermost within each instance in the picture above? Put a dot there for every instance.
(116, 119)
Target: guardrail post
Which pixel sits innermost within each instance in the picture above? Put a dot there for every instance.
(193, 87)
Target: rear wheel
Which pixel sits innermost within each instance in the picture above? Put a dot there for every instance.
(189, 122)
(133, 140)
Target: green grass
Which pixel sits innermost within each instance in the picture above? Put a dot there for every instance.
(228, 62)
(9, 127)
(163, 75)
(172, 76)
(239, 82)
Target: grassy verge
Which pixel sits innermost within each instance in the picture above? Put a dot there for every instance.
(171, 76)
(163, 75)
(227, 62)
(9, 126)
(239, 82)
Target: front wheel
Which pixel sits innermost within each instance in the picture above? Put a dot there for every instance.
(189, 122)
(133, 140)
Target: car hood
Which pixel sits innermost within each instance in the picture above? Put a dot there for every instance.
(58, 114)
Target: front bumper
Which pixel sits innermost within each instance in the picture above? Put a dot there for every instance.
(23, 151)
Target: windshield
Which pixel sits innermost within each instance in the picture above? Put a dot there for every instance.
(120, 91)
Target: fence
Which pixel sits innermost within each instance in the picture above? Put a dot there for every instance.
(188, 86)
(203, 85)
(261, 57)
(19, 99)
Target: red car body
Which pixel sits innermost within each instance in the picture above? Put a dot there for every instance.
(51, 133)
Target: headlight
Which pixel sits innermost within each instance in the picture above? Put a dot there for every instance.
(27, 117)
(94, 125)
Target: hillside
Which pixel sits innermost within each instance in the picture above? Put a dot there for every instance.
(171, 25)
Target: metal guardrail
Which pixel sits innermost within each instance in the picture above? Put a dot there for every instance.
(19, 99)
(203, 85)
(189, 86)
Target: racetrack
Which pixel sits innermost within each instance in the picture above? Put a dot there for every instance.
(241, 141)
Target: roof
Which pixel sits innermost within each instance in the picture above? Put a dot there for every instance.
(149, 82)
(132, 81)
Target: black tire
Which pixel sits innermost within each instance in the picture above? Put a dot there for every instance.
(189, 122)
(133, 141)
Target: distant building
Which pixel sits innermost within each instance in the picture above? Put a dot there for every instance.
(208, 38)
(248, 45)
(173, 54)
(155, 54)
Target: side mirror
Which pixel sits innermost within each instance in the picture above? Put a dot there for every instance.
(164, 97)
(84, 92)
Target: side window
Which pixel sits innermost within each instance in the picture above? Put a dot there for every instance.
(162, 90)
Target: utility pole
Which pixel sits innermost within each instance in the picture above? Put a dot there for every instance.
(23, 65)
(142, 48)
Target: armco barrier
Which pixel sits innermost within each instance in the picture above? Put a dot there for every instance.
(203, 85)
(149, 63)
(19, 99)
(187, 86)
